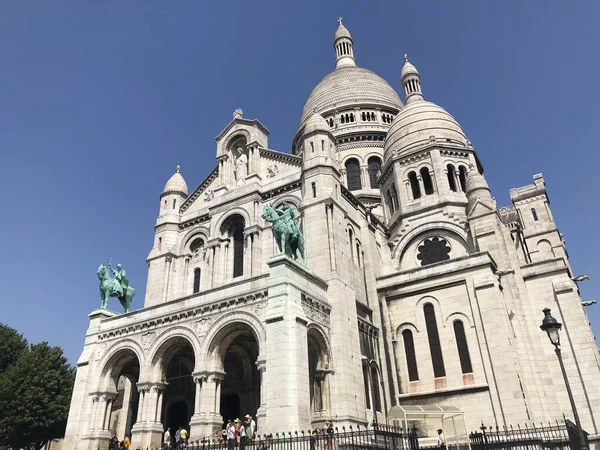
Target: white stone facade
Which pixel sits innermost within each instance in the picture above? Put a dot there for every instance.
(418, 288)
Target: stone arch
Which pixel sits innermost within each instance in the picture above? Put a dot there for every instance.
(171, 338)
(356, 156)
(458, 316)
(226, 216)
(234, 137)
(289, 198)
(316, 335)
(188, 238)
(112, 364)
(410, 238)
(406, 326)
(226, 324)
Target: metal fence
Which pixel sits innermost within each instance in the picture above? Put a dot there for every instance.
(550, 436)
(376, 437)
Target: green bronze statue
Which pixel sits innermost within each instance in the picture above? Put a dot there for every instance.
(285, 230)
(114, 287)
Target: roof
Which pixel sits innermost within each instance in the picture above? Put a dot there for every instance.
(349, 85)
(413, 412)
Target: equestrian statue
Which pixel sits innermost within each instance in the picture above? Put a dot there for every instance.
(285, 230)
(114, 287)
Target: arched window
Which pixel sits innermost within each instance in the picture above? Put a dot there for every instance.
(366, 383)
(414, 185)
(196, 281)
(375, 389)
(196, 245)
(351, 239)
(174, 203)
(394, 196)
(411, 356)
(238, 250)
(358, 253)
(364, 117)
(373, 116)
(342, 118)
(463, 349)
(435, 348)
(433, 250)
(390, 203)
(427, 181)
(314, 189)
(374, 167)
(534, 214)
(353, 175)
(462, 176)
(351, 117)
(451, 180)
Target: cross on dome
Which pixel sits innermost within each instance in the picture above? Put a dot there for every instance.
(405, 57)
(177, 169)
(340, 20)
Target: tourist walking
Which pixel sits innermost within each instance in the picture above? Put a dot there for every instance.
(184, 436)
(243, 436)
(441, 440)
(250, 427)
(167, 439)
(178, 437)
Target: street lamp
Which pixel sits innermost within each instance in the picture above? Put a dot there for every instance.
(552, 327)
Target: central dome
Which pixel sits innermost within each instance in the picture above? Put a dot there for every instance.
(349, 85)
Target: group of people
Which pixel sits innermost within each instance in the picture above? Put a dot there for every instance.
(177, 441)
(238, 433)
(115, 444)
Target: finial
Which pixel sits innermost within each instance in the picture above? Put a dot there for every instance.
(177, 169)
(340, 20)
(405, 57)
(237, 113)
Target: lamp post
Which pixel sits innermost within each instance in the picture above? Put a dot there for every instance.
(552, 327)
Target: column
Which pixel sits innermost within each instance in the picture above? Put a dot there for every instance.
(199, 381)
(224, 270)
(218, 380)
(186, 269)
(248, 254)
(261, 413)
(95, 408)
(421, 185)
(168, 261)
(142, 404)
(154, 402)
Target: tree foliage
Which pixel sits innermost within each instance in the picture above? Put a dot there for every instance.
(35, 393)
(12, 345)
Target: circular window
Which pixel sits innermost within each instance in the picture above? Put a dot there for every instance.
(433, 250)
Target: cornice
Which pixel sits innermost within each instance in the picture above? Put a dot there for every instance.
(281, 156)
(194, 195)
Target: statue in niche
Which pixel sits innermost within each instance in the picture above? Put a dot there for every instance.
(240, 165)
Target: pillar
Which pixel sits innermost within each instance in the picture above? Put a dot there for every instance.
(261, 412)
(186, 269)
(287, 380)
(168, 261)
(207, 418)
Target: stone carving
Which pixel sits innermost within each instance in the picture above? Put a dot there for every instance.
(240, 165)
(257, 309)
(272, 171)
(147, 339)
(201, 325)
(101, 350)
(238, 113)
(114, 287)
(315, 315)
(209, 195)
(285, 230)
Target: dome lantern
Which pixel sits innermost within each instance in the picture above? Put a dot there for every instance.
(342, 42)
(411, 82)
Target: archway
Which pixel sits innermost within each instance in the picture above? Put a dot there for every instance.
(318, 373)
(177, 365)
(238, 351)
(123, 370)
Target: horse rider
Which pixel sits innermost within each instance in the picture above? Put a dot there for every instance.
(287, 214)
(120, 276)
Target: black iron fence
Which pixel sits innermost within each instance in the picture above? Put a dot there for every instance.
(529, 437)
(376, 437)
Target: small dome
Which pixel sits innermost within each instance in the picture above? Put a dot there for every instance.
(419, 123)
(341, 32)
(476, 186)
(316, 123)
(408, 69)
(176, 183)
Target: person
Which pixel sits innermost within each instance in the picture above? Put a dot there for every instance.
(178, 436)
(329, 430)
(126, 441)
(287, 214)
(243, 436)
(114, 443)
(313, 440)
(230, 429)
(250, 426)
(184, 436)
(441, 440)
(167, 438)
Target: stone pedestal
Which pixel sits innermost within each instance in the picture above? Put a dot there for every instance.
(286, 389)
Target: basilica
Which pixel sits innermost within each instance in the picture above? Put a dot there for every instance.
(417, 289)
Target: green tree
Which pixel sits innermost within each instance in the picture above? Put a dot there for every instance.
(35, 393)
(12, 345)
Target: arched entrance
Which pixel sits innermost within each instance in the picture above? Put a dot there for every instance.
(177, 365)
(238, 352)
(123, 370)
(318, 374)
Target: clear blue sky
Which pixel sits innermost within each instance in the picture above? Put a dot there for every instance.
(99, 101)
